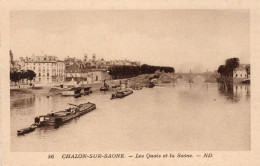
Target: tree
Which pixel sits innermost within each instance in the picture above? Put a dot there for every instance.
(30, 75)
(248, 70)
(23, 75)
(231, 64)
(15, 76)
(222, 70)
(131, 71)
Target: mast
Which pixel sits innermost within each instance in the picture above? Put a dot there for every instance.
(190, 76)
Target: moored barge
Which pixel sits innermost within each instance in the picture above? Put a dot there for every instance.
(60, 117)
(75, 91)
(121, 94)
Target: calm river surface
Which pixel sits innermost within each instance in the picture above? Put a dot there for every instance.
(173, 117)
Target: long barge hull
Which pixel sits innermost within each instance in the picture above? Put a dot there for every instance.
(127, 94)
(65, 119)
(51, 120)
(121, 95)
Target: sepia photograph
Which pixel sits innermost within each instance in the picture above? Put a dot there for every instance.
(130, 80)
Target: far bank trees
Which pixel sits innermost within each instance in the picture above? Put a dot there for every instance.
(227, 69)
(119, 72)
(16, 76)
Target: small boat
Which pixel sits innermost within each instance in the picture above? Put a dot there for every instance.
(77, 95)
(58, 118)
(151, 85)
(27, 130)
(103, 89)
(116, 86)
(87, 90)
(137, 87)
(121, 94)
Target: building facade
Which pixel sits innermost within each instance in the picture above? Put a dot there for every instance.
(90, 69)
(48, 69)
(241, 72)
(94, 63)
(86, 75)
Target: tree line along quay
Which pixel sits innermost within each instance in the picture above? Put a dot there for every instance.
(17, 76)
(118, 72)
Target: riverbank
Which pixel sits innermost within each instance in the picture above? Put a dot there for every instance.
(25, 91)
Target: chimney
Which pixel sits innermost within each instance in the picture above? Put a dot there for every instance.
(85, 57)
(11, 53)
(11, 56)
(94, 57)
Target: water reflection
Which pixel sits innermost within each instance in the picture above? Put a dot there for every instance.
(24, 102)
(234, 92)
(57, 126)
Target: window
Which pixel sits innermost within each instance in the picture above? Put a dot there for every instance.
(39, 74)
(241, 75)
(245, 75)
(39, 79)
(33, 68)
(48, 75)
(33, 63)
(236, 75)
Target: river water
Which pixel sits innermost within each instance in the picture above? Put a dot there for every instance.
(172, 117)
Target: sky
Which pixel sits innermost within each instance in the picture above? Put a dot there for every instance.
(199, 40)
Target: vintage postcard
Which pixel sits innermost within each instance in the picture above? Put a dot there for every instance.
(159, 84)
